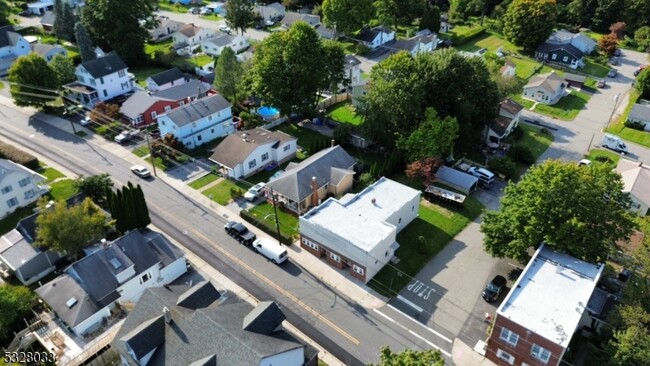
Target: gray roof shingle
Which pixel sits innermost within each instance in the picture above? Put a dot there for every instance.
(58, 292)
(8, 36)
(234, 149)
(146, 336)
(167, 76)
(368, 35)
(103, 66)
(570, 49)
(264, 319)
(191, 89)
(48, 18)
(640, 112)
(295, 183)
(199, 296)
(137, 104)
(220, 41)
(198, 109)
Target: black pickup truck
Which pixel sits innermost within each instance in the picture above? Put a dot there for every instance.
(238, 231)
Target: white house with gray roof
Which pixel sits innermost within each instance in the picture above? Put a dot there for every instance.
(199, 325)
(198, 122)
(166, 79)
(581, 41)
(244, 153)
(48, 51)
(216, 45)
(270, 11)
(640, 113)
(164, 28)
(100, 79)
(291, 17)
(358, 232)
(636, 182)
(546, 88)
(19, 186)
(12, 46)
(376, 37)
(416, 44)
(118, 271)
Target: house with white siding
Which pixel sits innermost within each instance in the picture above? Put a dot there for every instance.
(100, 79)
(12, 46)
(189, 36)
(19, 186)
(214, 46)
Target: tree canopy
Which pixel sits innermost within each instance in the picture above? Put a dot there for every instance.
(128, 208)
(63, 68)
(228, 74)
(642, 83)
(608, 44)
(290, 67)
(430, 19)
(347, 16)
(69, 229)
(5, 12)
(239, 14)
(399, 12)
(15, 301)
(435, 136)
(410, 357)
(95, 186)
(581, 211)
(85, 44)
(528, 23)
(64, 20)
(33, 83)
(116, 24)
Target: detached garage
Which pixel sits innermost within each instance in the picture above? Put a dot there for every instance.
(456, 179)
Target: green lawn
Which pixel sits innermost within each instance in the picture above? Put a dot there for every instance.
(51, 174)
(142, 73)
(599, 156)
(526, 66)
(178, 8)
(62, 190)
(141, 151)
(344, 112)
(305, 136)
(567, 108)
(165, 45)
(422, 240)
(595, 69)
(220, 193)
(491, 41)
(10, 221)
(348, 46)
(618, 127)
(536, 141)
(204, 181)
(288, 222)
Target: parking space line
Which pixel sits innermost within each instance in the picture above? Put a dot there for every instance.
(422, 325)
(413, 333)
(409, 303)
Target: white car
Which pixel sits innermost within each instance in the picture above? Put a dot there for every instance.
(224, 28)
(140, 171)
(584, 162)
(85, 121)
(255, 192)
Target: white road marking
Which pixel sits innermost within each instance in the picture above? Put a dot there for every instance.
(413, 333)
(422, 325)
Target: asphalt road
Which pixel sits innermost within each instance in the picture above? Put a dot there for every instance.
(348, 331)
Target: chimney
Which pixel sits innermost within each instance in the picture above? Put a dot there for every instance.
(373, 201)
(314, 192)
(332, 142)
(640, 164)
(104, 243)
(168, 315)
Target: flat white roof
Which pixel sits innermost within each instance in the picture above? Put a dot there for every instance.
(381, 199)
(551, 294)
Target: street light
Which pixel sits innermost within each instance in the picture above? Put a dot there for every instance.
(616, 97)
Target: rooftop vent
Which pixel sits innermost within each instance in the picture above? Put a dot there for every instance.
(70, 303)
(373, 201)
(167, 314)
(115, 263)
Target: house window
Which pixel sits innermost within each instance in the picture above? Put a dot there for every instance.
(399, 221)
(145, 277)
(287, 147)
(23, 182)
(198, 138)
(121, 73)
(12, 202)
(163, 123)
(7, 189)
(358, 269)
(212, 130)
(168, 108)
(105, 93)
(265, 156)
(101, 80)
(125, 86)
(553, 57)
(29, 194)
(92, 82)
(505, 356)
(412, 208)
(209, 118)
(509, 336)
(251, 164)
(181, 103)
(540, 353)
(310, 244)
(193, 124)
(140, 119)
(565, 59)
(154, 114)
(335, 257)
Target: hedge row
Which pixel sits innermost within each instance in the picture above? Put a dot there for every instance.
(459, 39)
(284, 239)
(18, 156)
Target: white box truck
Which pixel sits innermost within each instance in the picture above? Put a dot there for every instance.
(614, 143)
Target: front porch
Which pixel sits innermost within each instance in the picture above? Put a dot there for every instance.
(81, 94)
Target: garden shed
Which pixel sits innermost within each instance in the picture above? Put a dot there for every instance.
(456, 179)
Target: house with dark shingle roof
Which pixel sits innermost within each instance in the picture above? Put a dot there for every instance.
(580, 40)
(375, 37)
(166, 79)
(304, 185)
(199, 121)
(48, 51)
(118, 271)
(506, 121)
(101, 79)
(244, 153)
(640, 113)
(416, 44)
(47, 22)
(562, 54)
(546, 88)
(291, 17)
(177, 326)
(12, 46)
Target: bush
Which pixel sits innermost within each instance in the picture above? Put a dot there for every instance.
(517, 133)
(284, 239)
(503, 165)
(18, 156)
(521, 154)
(635, 125)
(603, 159)
(361, 49)
(236, 192)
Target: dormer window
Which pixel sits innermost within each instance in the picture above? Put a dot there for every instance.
(121, 73)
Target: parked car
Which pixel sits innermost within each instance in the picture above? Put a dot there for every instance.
(269, 23)
(618, 52)
(205, 11)
(193, 10)
(140, 171)
(601, 83)
(224, 28)
(494, 288)
(122, 138)
(612, 73)
(485, 177)
(271, 250)
(85, 121)
(584, 162)
(255, 192)
(240, 232)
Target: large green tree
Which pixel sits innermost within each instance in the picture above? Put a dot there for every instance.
(334, 69)
(239, 14)
(116, 24)
(96, 187)
(636, 14)
(642, 83)
(64, 20)
(410, 357)
(289, 68)
(85, 44)
(33, 83)
(228, 74)
(347, 16)
(128, 208)
(577, 210)
(63, 68)
(399, 12)
(435, 136)
(5, 12)
(431, 19)
(15, 301)
(69, 229)
(528, 23)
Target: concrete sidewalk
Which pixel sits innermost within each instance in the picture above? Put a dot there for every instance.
(463, 355)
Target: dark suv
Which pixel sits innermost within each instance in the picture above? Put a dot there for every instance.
(240, 232)
(494, 288)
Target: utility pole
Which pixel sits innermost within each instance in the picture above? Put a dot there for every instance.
(275, 210)
(616, 98)
(153, 163)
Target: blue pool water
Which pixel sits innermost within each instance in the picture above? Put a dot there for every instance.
(268, 112)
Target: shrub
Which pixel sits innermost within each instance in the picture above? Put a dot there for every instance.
(603, 159)
(635, 125)
(18, 156)
(236, 192)
(361, 49)
(503, 165)
(521, 154)
(284, 239)
(517, 133)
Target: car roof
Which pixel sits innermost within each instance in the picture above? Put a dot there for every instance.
(499, 280)
(138, 167)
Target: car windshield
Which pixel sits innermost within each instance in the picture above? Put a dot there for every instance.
(492, 288)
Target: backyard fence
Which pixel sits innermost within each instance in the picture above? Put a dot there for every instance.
(330, 101)
(274, 123)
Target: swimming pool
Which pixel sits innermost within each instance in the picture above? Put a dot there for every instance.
(268, 113)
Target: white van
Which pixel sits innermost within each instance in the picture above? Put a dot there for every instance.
(271, 250)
